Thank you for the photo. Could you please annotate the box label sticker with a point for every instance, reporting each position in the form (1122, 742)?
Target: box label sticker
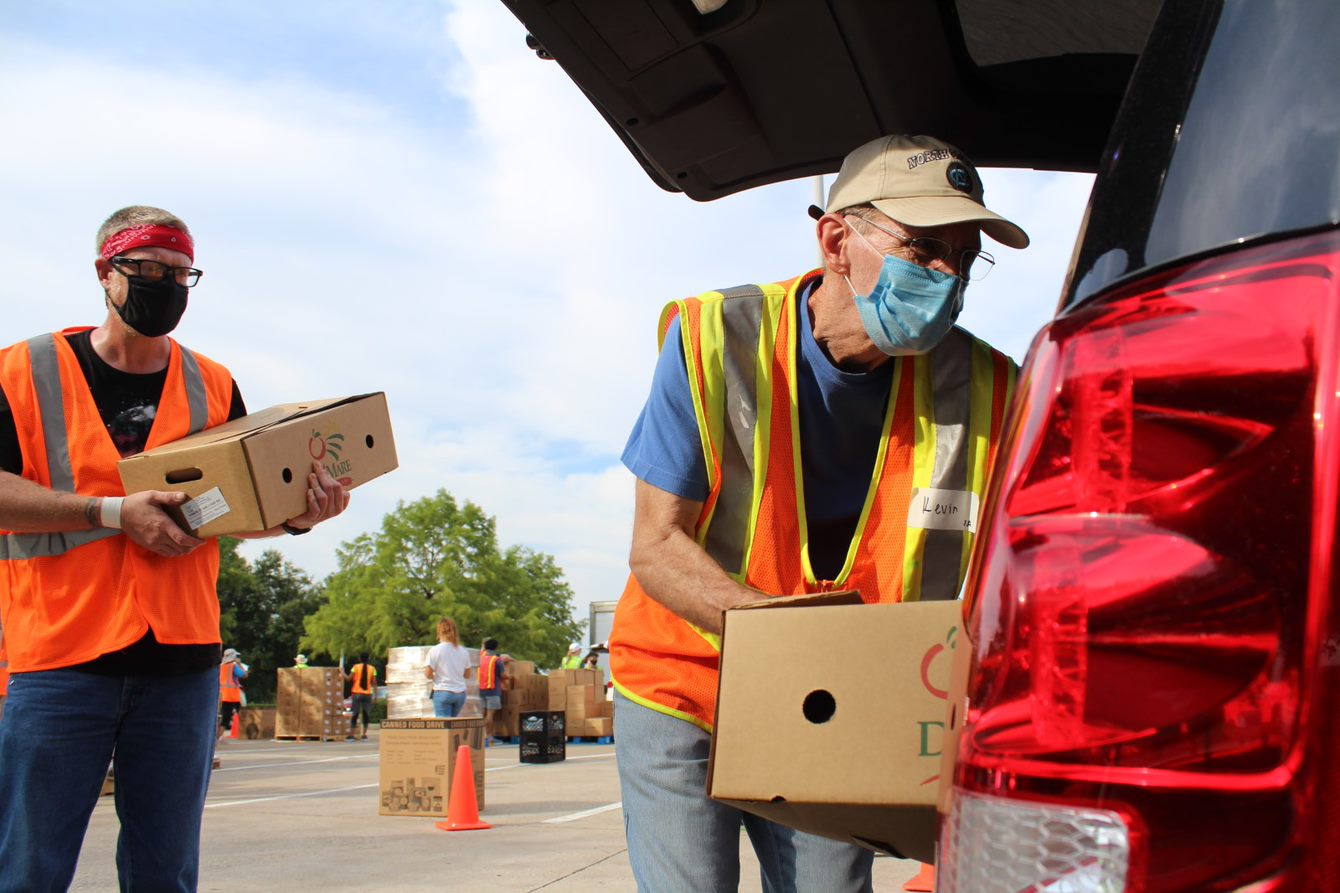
(934, 509)
(205, 508)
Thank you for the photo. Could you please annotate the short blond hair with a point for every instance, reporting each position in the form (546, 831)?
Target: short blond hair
(138, 215)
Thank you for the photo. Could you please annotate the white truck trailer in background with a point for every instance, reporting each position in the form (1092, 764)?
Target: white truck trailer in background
(598, 631)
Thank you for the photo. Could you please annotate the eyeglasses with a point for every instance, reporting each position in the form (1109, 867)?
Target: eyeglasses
(974, 264)
(154, 271)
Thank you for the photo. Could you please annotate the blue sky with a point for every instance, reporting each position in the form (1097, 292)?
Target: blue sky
(399, 196)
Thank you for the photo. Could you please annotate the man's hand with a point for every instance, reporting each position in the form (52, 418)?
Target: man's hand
(326, 498)
(147, 525)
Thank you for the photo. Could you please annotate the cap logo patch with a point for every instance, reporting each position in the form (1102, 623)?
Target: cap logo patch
(959, 177)
(915, 161)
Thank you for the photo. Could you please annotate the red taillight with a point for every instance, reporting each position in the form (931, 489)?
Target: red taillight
(1155, 568)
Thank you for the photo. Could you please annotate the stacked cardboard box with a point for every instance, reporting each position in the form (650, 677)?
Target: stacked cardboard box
(580, 694)
(523, 689)
(418, 763)
(256, 722)
(310, 703)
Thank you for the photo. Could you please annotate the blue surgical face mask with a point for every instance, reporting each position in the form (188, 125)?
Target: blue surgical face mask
(911, 308)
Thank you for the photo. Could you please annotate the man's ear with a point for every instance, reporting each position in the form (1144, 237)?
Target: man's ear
(834, 234)
(105, 270)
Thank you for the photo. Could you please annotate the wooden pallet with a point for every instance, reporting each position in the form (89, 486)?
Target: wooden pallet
(309, 737)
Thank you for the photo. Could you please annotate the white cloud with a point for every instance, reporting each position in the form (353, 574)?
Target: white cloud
(499, 275)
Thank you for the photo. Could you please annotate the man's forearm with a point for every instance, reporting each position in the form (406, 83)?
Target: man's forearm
(675, 571)
(26, 507)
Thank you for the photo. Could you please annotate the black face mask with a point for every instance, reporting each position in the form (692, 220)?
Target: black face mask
(153, 307)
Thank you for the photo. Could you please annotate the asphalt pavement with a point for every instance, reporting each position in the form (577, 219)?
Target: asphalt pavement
(285, 815)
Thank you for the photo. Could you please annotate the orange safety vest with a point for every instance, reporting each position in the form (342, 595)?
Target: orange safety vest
(488, 671)
(229, 691)
(941, 430)
(70, 597)
(364, 676)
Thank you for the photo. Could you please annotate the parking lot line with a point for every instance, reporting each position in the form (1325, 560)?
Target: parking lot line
(357, 787)
(583, 814)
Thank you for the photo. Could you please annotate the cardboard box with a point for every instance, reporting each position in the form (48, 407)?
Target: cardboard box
(591, 727)
(506, 722)
(582, 702)
(251, 473)
(310, 703)
(560, 680)
(846, 745)
(257, 722)
(418, 761)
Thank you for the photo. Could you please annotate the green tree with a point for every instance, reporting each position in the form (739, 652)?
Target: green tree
(262, 608)
(436, 557)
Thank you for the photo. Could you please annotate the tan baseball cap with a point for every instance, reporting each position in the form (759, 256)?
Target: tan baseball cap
(920, 181)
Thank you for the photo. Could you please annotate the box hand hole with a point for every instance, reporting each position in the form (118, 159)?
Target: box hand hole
(819, 707)
(183, 475)
(369, 441)
(287, 475)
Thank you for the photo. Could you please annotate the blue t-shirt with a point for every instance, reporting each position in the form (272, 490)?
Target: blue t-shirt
(841, 417)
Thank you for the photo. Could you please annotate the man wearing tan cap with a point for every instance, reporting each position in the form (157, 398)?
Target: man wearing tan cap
(799, 437)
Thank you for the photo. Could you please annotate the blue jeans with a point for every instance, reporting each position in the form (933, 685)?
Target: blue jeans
(679, 839)
(60, 731)
(448, 703)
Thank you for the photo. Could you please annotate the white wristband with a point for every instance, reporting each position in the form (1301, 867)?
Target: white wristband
(110, 511)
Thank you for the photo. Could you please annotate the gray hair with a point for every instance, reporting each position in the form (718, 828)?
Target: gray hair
(137, 215)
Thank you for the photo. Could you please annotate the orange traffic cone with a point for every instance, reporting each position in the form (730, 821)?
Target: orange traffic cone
(232, 731)
(924, 882)
(463, 808)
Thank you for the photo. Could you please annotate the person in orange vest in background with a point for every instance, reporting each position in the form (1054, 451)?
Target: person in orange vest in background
(363, 679)
(794, 436)
(492, 667)
(110, 608)
(231, 673)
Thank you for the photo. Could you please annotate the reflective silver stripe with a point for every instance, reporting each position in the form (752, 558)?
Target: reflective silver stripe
(51, 410)
(21, 546)
(951, 373)
(741, 318)
(195, 391)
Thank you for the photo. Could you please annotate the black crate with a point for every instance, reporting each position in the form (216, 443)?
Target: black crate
(541, 724)
(543, 738)
(543, 752)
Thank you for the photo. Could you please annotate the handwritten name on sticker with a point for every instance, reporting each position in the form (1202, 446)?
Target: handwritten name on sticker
(205, 508)
(933, 509)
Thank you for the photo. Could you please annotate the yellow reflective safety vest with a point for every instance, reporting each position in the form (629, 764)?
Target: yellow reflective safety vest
(912, 542)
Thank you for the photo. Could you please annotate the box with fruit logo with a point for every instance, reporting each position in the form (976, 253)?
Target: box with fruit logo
(251, 473)
(831, 714)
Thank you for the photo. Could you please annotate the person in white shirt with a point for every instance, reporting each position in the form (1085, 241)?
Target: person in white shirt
(446, 664)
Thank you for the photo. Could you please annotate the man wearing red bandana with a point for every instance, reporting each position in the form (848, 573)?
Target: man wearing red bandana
(110, 613)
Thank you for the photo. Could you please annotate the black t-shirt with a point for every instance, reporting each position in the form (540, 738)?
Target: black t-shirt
(128, 403)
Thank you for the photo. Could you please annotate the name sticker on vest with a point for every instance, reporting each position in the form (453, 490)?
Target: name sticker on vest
(933, 509)
(205, 508)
